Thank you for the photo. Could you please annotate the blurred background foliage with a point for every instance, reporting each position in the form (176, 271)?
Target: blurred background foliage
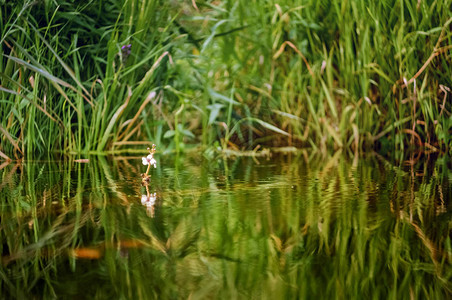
(96, 76)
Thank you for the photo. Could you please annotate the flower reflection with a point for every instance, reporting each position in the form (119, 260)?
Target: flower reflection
(149, 200)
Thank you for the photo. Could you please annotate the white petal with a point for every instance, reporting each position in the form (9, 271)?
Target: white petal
(144, 160)
(153, 162)
(144, 199)
(150, 157)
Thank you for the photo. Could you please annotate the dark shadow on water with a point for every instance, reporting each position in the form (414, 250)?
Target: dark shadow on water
(300, 227)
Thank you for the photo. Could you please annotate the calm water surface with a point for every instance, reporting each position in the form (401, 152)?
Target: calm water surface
(288, 227)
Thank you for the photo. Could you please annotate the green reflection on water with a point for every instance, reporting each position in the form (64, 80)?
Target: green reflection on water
(287, 227)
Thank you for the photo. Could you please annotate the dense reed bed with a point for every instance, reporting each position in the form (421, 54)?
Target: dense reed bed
(96, 76)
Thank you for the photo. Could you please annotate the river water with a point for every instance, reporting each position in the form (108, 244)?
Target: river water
(286, 226)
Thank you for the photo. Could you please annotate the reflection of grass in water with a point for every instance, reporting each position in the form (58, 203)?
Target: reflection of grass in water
(295, 230)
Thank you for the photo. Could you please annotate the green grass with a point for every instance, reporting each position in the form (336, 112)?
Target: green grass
(232, 74)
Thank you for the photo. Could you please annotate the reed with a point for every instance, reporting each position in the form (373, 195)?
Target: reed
(112, 75)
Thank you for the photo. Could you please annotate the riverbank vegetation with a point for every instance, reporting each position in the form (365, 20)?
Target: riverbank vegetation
(96, 76)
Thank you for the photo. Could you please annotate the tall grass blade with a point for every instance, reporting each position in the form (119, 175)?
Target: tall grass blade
(113, 120)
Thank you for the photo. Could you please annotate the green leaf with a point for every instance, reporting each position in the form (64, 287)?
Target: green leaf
(169, 134)
(329, 99)
(112, 122)
(212, 35)
(219, 96)
(38, 70)
(271, 127)
(214, 111)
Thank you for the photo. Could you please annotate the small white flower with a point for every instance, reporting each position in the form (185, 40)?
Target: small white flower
(153, 162)
(149, 160)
